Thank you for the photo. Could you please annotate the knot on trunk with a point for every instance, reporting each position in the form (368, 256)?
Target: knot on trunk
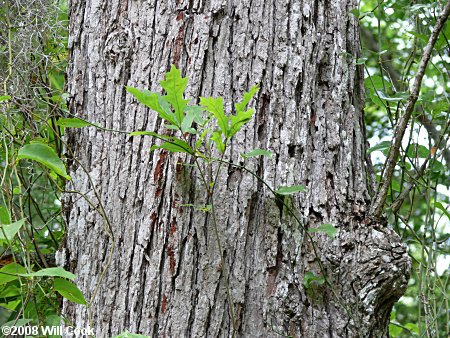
(373, 268)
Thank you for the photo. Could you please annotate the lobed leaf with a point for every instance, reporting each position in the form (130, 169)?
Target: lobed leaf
(155, 102)
(238, 120)
(215, 106)
(217, 139)
(240, 107)
(174, 85)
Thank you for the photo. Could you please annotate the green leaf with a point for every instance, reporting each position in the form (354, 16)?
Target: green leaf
(53, 320)
(155, 102)
(380, 146)
(175, 146)
(395, 185)
(7, 272)
(310, 278)
(5, 217)
(17, 323)
(217, 139)
(361, 61)
(172, 143)
(355, 12)
(442, 208)
(238, 120)
(215, 106)
(240, 107)
(174, 85)
(290, 190)
(417, 150)
(197, 111)
(51, 272)
(8, 231)
(73, 123)
(192, 114)
(394, 330)
(326, 228)
(5, 98)
(45, 155)
(242, 116)
(69, 291)
(257, 152)
(412, 327)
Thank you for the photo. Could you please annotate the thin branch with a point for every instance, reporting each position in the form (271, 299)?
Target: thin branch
(399, 132)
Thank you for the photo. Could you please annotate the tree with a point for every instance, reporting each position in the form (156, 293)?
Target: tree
(152, 266)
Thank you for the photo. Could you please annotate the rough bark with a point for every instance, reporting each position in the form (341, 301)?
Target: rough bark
(165, 278)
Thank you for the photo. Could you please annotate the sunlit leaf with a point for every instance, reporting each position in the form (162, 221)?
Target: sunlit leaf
(215, 106)
(394, 330)
(192, 114)
(155, 102)
(238, 120)
(217, 139)
(361, 61)
(174, 86)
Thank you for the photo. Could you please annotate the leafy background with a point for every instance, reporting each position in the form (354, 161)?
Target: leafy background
(33, 58)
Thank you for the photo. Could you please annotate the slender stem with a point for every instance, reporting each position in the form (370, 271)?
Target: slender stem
(216, 230)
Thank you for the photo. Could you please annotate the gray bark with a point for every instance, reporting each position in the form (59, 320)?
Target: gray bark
(165, 278)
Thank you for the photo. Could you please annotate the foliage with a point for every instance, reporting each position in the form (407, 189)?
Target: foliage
(33, 40)
(394, 34)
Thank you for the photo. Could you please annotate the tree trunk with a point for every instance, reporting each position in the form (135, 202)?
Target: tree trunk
(165, 278)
